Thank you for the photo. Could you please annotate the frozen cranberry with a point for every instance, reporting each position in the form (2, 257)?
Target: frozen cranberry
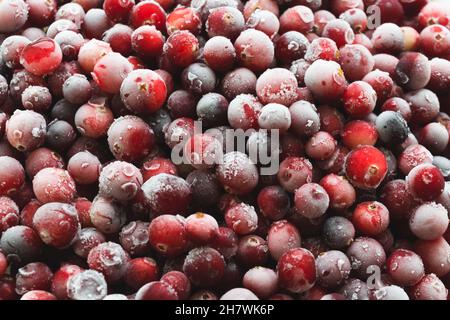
(424, 105)
(254, 50)
(94, 118)
(241, 218)
(326, 80)
(435, 40)
(429, 221)
(388, 38)
(413, 156)
(110, 71)
(110, 259)
(238, 81)
(399, 105)
(33, 276)
(219, 54)
(56, 79)
(425, 182)
(60, 280)
(181, 48)
(168, 235)
(262, 281)
(41, 57)
(60, 135)
(338, 232)
(118, 10)
(91, 52)
(282, 236)
(42, 158)
(225, 21)
(370, 218)
(95, 23)
(212, 110)
(61, 25)
(322, 49)
(434, 13)
(38, 295)
(87, 285)
(141, 271)
(291, 46)
(87, 239)
(339, 31)
(413, 70)
(53, 185)
(3, 264)
(147, 41)
(84, 167)
(21, 243)
(273, 202)
(204, 266)
(156, 166)
(198, 78)
(120, 180)
(239, 294)
(405, 267)
(252, 251)
(243, 112)
(363, 253)
(359, 99)
(14, 15)
(156, 290)
(356, 61)
(430, 287)
(57, 224)
(294, 172)
(130, 138)
(237, 173)
(119, 38)
(277, 86)
(83, 206)
(201, 227)
(11, 49)
(359, 132)
(397, 199)
(265, 21)
(77, 89)
(9, 213)
(297, 18)
(36, 98)
(366, 167)
(106, 215)
(434, 254)
(148, 12)
(25, 130)
(296, 270)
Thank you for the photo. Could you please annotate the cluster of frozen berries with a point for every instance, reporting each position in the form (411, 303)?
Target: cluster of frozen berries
(94, 94)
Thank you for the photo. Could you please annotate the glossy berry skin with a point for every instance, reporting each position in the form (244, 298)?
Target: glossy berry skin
(57, 224)
(149, 12)
(296, 270)
(118, 10)
(181, 48)
(370, 218)
(366, 167)
(359, 132)
(168, 236)
(425, 182)
(41, 56)
(141, 271)
(147, 41)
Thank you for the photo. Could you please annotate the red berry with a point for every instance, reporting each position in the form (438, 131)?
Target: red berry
(296, 270)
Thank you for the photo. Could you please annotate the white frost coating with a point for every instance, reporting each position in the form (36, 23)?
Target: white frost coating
(87, 285)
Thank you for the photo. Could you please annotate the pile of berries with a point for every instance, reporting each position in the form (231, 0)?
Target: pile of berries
(95, 95)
